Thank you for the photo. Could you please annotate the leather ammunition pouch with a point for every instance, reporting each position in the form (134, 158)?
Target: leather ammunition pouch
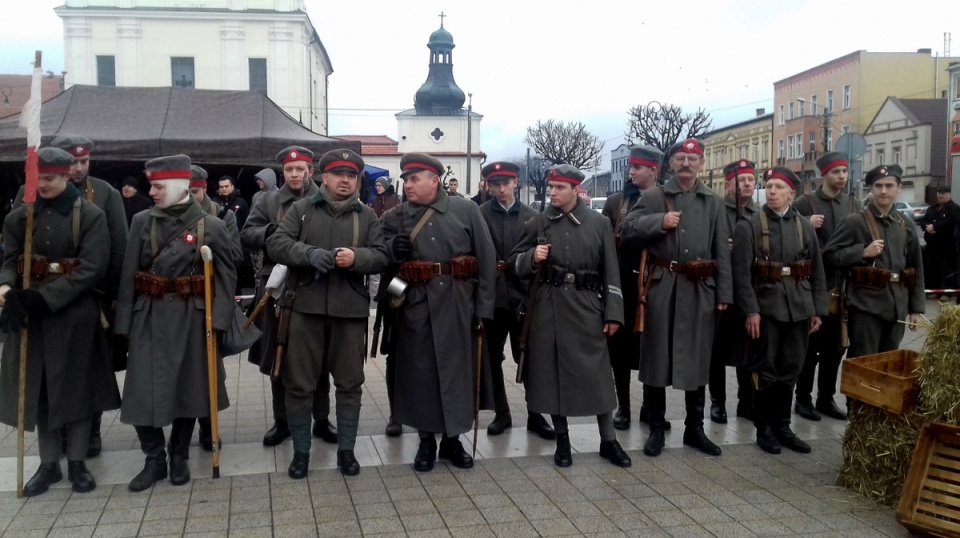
(156, 286)
(768, 271)
(555, 275)
(558, 275)
(801, 269)
(694, 269)
(909, 277)
(188, 285)
(149, 284)
(424, 271)
(463, 266)
(878, 277)
(41, 266)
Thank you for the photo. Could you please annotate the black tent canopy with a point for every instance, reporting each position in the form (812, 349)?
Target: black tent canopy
(137, 124)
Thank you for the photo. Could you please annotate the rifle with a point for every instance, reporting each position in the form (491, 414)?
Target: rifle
(736, 184)
(377, 324)
(643, 285)
(212, 374)
(529, 306)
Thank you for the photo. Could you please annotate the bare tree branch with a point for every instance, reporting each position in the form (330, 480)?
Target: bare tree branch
(661, 126)
(564, 143)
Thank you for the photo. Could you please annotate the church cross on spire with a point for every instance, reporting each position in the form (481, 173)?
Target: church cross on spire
(441, 15)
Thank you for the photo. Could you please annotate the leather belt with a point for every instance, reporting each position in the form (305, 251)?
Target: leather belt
(785, 271)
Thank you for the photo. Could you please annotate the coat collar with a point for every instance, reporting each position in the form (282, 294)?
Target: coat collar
(497, 208)
(673, 187)
(750, 207)
(773, 214)
(439, 204)
(287, 194)
(192, 213)
(892, 215)
(63, 203)
(826, 197)
(577, 216)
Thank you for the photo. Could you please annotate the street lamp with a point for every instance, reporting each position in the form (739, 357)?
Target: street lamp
(6, 91)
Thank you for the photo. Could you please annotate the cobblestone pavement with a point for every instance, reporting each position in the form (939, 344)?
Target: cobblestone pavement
(514, 489)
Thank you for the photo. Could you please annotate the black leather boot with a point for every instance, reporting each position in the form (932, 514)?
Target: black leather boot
(96, 442)
(394, 428)
(829, 408)
(347, 462)
(537, 424)
(80, 477)
(781, 430)
(180, 435)
(762, 420)
(718, 412)
(656, 403)
(426, 455)
(300, 466)
(613, 452)
(451, 449)
(155, 466)
(326, 431)
(644, 415)
(621, 419)
(804, 408)
(47, 473)
(693, 434)
(563, 457)
(500, 423)
(277, 434)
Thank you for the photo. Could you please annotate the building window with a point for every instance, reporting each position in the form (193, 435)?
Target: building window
(845, 129)
(798, 142)
(813, 105)
(791, 110)
(880, 156)
(181, 70)
(846, 97)
(258, 75)
(763, 155)
(896, 154)
(802, 103)
(829, 100)
(956, 86)
(829, 143)
(779, 149)
(106, 71)
(781, 114)
(813, 142)
(956, 128)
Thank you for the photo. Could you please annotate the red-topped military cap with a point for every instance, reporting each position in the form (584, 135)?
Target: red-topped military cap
(75, 145)
(500, 171)
(418, 162)
(53, 161)
(341, 160)
(736, 168)
(169, 167)
(784, 174)
(295, 153)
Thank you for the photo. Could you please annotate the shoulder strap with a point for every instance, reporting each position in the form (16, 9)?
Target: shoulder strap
(620, 211)
(89, 190)
(154, 248)
(356, 229)
(76, 224)
(196, 255)
(871, 224)
(809, 197)
(666, 200)
(421, 223)
(765, 235)
(800, 233)
(541, 230)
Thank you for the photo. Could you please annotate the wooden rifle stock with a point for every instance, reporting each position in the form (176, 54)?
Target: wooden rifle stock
(643, 284)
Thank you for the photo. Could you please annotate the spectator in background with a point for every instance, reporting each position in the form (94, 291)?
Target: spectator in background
(483, 193)
(452, 187)
(230, 199)
(267, 181)
(938, 230)
(133, 201)
(386, 196)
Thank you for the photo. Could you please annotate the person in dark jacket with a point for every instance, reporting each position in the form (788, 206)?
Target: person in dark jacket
(133, 201)
(69, 373)
(938, 224)
(386, 196)
(267, 181)
(229, 199)
(781, 289)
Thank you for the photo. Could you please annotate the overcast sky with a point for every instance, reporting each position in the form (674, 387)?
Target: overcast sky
(572, 61)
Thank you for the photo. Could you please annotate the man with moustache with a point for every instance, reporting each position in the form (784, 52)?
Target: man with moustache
(108, 199)
(505, 216)
(878, 251)
(825, 208)
(444, 252)
(623, 345)
(331, 242)
(729, 344)
(780, 288)
(266, 215)
(162, 313)
(684, 227)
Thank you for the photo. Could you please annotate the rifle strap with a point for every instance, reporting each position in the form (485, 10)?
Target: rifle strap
(75, 224)
(421, 223)
(356, 230)
(874, 228)
(89, 190)
(534, 288)
(290, 284)
(155, 250)
(666, 200)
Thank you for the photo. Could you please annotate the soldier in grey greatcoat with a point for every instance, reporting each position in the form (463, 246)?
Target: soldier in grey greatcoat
(445, 254)
(265, 217)
(69, 372)
(685, 230)
(885, 277)
(780, 288)
(329, 243)
(570, 249)
(825, 208)
(644, 166)
(729, 343)
(505, 216)
(166, 380)
(108, 199)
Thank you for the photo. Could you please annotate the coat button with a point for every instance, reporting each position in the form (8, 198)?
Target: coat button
(685, 251)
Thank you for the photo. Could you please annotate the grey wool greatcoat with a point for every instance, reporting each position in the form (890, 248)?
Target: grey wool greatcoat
(833, 211)
(676, 346)
(66, 346)
(167, 364)
(624, 345)
(230, 219)
(435, 343)
(265, 216)
(569, 370)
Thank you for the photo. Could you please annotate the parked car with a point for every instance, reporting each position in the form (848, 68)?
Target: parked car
(596, 204)
(912, 210)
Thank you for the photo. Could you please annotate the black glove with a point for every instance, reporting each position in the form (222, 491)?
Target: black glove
(401, 247)
(269, 231)
(33, 302)
(14, 314)
(321, 260)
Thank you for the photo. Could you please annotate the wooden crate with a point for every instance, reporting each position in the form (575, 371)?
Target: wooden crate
(930, 502)
(885, 380)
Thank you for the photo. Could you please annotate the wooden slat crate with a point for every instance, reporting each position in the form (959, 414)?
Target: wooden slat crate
(931, 494)
(885, 380)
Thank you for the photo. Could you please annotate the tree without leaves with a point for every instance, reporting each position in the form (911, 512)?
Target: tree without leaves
(564, 143)
(661, 126)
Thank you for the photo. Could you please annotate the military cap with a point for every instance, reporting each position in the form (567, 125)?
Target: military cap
(416, 162)
(565, 173)
(645, 156)
(831, 160)
(169, 167)
(75, 145)
(690, 145)
(295, 153)
(882, 171)
(198, 176)
(53, 161)
(340, 160)
(943, 188)
(784, 174)
(499, 171)
(736, 168)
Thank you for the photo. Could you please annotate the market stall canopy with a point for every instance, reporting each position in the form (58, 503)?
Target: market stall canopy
(136, 124)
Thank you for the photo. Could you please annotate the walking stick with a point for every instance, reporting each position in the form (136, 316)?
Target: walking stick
(476, 395)
(29, 120)
(207, 256)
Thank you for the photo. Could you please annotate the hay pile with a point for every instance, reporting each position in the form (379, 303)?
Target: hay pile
(878, 446)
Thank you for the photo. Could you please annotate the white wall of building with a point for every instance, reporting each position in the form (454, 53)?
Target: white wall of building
(220, 37)
(892, 139)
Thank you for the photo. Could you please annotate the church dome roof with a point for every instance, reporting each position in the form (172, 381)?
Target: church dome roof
(440, 37)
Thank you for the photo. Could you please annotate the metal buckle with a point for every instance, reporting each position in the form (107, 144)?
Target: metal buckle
(785, 271)
(894, 277)
(673, 266)
(55, 268)
(436, 269)
(569, 278)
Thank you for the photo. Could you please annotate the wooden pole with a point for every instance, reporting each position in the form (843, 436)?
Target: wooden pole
(212, 375)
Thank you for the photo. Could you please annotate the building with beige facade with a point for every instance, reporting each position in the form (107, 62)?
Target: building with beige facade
(267, 46)
(750, 139)
(814, 108)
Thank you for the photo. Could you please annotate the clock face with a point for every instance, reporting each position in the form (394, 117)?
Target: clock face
(437, 135)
